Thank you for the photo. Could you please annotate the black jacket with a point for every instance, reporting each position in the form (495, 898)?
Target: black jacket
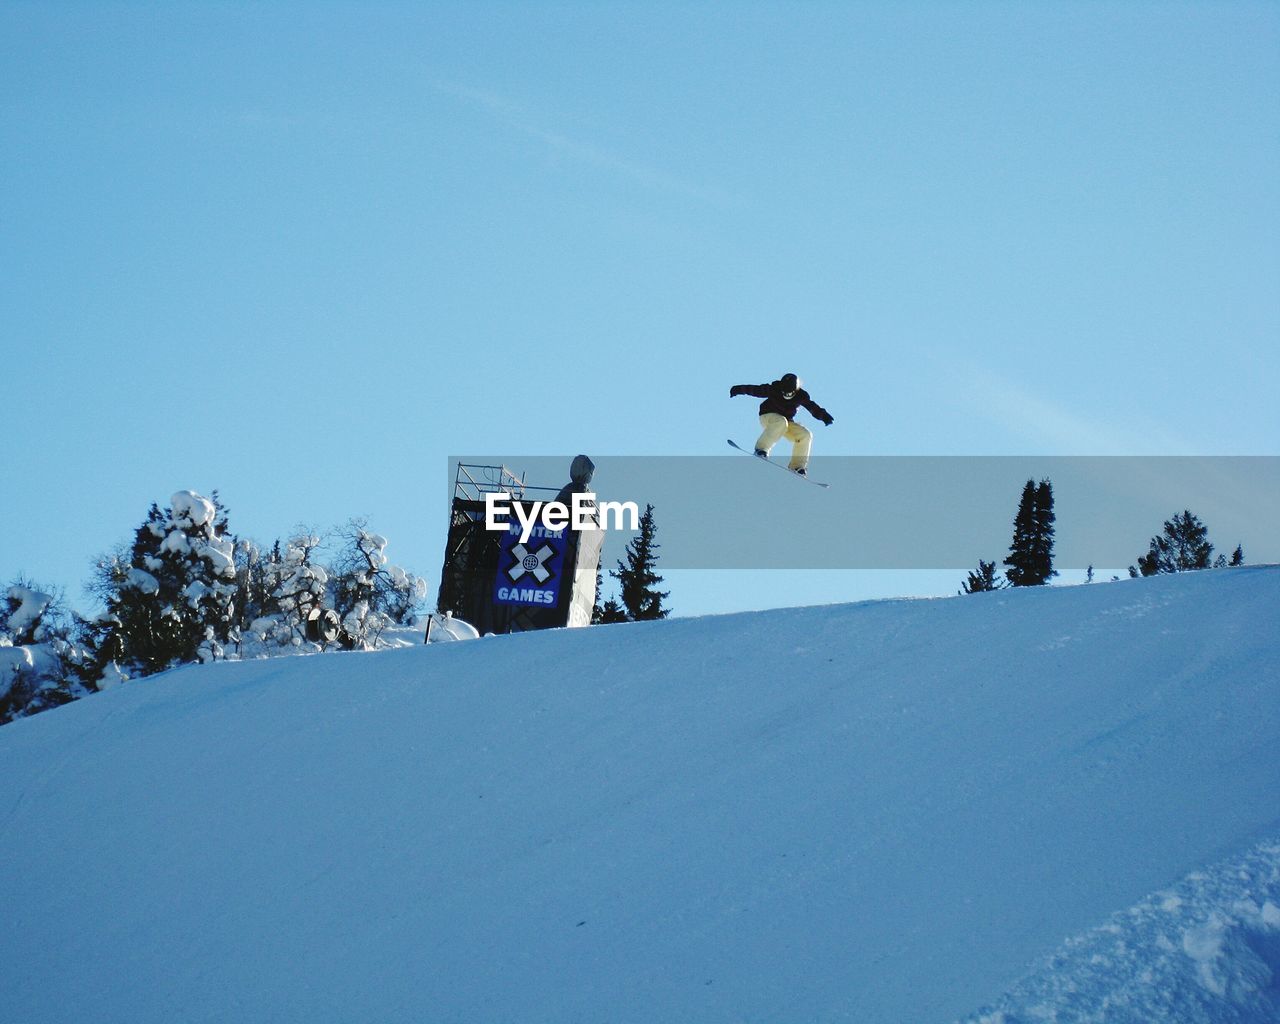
(774, 401)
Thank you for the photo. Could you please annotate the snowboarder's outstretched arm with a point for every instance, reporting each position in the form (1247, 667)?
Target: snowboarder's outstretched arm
(754, 390)
(815, 410)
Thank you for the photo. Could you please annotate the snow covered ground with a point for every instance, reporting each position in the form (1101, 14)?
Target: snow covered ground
(1059, 804)
(1205, 951)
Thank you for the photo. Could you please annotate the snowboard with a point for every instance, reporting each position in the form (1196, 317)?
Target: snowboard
(775, 465)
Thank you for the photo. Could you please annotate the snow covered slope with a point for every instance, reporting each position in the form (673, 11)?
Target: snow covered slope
(881, 812)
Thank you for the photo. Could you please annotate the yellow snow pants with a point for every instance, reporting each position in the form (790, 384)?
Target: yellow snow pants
(775, 427)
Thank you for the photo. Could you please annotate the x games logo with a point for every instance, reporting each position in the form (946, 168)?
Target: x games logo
(528, 573)
(534, 564)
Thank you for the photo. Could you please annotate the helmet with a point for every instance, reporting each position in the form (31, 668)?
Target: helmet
(790, 384)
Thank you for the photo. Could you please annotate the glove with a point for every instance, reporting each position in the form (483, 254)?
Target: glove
(828, 419)
(735, 391)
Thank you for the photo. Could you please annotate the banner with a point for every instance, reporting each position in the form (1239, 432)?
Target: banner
(530, 573)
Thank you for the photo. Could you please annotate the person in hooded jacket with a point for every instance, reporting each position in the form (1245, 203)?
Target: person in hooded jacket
(581, 470)
(782, 399)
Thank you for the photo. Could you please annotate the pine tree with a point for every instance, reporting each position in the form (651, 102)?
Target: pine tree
(171, 598)
(612, 611)
(597, 607)
(1181, 547)
(637, 579)
(604, 612)
(983, 579)
(1045, 518)
(1030, 558)
(1237, 556)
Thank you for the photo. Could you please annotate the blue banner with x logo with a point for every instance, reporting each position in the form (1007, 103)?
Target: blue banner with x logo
(529, 572)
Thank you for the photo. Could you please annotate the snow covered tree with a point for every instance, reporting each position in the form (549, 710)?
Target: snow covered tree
(170, 599)
(1182, 546)
(636, 577)
(37, 651)
(27, 612)
(290, 589)
(368, 593)
(253, 591)
(1030, 559)
(982, 579)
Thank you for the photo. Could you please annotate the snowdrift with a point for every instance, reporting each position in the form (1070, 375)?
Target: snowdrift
(886, 812)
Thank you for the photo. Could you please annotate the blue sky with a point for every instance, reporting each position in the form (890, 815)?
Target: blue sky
(304, 253)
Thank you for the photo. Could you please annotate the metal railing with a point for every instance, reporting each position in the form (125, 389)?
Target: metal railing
(472, 482)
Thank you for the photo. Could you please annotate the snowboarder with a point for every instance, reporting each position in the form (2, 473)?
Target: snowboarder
(777, 416)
